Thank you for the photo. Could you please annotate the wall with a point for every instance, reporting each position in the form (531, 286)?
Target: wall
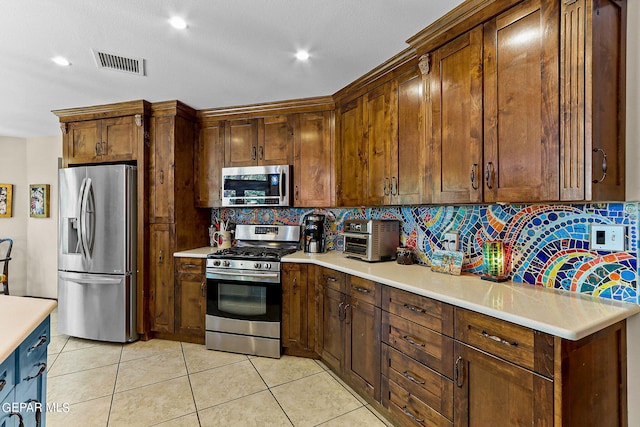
(33, 268)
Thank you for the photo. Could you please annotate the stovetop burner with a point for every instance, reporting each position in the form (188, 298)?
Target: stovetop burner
(254, 253)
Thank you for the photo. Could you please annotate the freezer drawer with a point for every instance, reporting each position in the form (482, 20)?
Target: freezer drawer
(97, 307)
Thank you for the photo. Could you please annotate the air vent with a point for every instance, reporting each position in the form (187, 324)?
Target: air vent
(115, 62)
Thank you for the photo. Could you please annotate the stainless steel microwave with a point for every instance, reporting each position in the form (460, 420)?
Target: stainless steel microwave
(256, 186)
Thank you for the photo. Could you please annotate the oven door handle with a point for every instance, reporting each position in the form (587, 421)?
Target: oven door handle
(258, 275)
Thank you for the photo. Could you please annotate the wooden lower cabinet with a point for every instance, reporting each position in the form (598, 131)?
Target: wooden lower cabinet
(298, 310)
(161, 298)
(190, 297)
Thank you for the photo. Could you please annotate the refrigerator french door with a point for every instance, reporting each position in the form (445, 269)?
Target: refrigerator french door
(97, 252)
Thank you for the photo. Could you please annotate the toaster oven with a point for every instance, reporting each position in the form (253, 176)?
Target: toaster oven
(371, 240)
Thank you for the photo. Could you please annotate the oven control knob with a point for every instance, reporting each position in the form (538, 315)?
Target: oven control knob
(267, 266)
(226, 263)
(257, 265)
(216, 263)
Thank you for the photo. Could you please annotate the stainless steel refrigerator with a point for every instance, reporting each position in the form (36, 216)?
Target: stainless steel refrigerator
(97, 252)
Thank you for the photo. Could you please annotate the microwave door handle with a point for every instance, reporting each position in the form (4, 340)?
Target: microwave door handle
(283, 187)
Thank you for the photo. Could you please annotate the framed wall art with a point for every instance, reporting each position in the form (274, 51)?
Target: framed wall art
(39, 196)
(6, 197)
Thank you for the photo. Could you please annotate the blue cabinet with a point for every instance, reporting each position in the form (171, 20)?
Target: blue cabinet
(23, 381)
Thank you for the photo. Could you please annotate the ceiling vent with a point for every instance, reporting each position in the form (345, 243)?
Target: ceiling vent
(121, 63)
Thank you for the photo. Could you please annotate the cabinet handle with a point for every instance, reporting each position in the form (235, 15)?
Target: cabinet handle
(102, 150)
(457, 377)
(20, 419)
(411, 378)
(604, 165)
(410, 415)
(295, 285)
(330, 279)
(394, 186)
(474, 171)
(412, 341)
(97, 148)
(260, 152)
(203, 288)
(38, 410)
(253, 153)
(386, 189)
(190, 265)
(414, 308)
(340, 306)
(488, 175)
(43, 367)
(42, 339)
(2, 384)
(161, 258)
(297, 193)
(347, 318)
(498, 339)
(362, 290)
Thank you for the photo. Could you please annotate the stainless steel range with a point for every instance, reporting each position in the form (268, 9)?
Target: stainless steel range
(244, 290)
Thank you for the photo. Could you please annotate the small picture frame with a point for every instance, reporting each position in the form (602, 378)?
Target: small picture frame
(6, 198)
(449, 262)
(39, 200)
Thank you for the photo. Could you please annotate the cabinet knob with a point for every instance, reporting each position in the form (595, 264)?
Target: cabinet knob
(604, 165)
(161, 257)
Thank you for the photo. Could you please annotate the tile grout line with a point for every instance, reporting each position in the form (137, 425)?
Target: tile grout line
(115, 383)
(193, 396)
(271, 393)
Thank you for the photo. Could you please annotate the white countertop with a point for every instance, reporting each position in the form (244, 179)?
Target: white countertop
(565, 314)
(196, 253)
(19, 316)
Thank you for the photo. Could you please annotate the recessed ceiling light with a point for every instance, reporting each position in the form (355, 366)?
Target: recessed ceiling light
(302, 55)
(178, 23)
(61, 61)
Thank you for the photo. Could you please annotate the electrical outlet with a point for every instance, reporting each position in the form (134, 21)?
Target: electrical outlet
(450, 242)
(607, 237)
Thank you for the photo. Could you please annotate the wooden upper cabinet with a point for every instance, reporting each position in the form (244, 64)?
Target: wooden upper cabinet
(105, 140)
(592, 96)
(263, 141)
(312, 154)
(162, 169)
(456, 114)
(350, 155)
(209, 162)
(377, 139)
(521, 105)
(408, 145)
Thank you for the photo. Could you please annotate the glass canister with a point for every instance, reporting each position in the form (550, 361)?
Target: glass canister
(404, 256)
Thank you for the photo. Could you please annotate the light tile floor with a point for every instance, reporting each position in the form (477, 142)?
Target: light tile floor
(168, 383)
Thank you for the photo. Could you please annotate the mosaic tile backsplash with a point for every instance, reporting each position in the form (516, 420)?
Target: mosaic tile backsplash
(549, 243)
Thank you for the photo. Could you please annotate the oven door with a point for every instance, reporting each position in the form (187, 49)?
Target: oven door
(249, 296)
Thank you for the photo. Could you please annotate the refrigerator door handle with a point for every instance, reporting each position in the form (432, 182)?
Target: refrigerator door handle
(88, 279)
(87, 223)
(80, 219)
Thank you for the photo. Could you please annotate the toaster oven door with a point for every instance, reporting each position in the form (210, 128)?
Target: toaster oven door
(357, 245)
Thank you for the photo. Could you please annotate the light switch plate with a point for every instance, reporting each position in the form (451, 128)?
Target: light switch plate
(450, 242)
(607, 237)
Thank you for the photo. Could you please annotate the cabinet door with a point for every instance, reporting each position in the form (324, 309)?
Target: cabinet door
(312, 160)
(377, 125)
(333, 306)
(241, 143)
(351, 156)
(521, 135)
(120, 138)
(408, 146)
(492, 392)
(294, 306)
(456, 99)
(362, 352)
(83, 141)
(209, 162)
(275, 140)
(191, 300)
(161, 298)
(161, 166)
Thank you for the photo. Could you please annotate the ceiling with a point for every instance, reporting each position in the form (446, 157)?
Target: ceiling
(233, 52)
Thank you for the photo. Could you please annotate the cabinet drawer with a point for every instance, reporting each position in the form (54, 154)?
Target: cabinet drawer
(423, 344)
(364, 290)
(425, 311)
(426, 384)
(331, 279)
(190, 265)
(409, 408)
(33, 350)
(518, 344)
(7, 375)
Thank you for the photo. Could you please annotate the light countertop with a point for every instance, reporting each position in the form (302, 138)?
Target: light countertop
(19, 316)
(196, 253)
(565, 314)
